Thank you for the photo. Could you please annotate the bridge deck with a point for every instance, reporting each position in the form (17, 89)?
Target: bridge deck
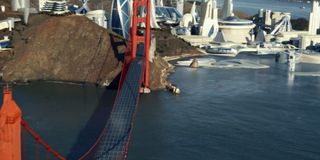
(114, 140)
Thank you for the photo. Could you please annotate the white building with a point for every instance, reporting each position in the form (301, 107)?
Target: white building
(209, 19)
(314, 20)
(57, 7)
(7, 24)
(180, 6)
(227, 9)
(233, 28)
(17, 4)
(236, 30)
(98, 17)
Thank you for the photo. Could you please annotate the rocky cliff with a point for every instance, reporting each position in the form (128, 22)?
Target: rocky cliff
(75, 49)
(65, 49)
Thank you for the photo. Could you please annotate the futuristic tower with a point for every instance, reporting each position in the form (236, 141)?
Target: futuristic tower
(120, 20)
(314, 21)
(227, 9)
(209, 19)
(180, 5)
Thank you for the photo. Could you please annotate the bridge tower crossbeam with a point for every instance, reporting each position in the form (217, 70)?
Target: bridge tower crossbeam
(141, 34)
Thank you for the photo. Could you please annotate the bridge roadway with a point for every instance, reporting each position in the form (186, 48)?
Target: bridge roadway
(114, 140)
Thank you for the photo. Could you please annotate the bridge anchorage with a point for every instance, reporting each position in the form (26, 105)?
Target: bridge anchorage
(113, 142)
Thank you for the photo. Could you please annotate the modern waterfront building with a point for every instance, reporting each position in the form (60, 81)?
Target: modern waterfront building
(314, 21)
(17, 4)
(168, 15)
(179, 6)
(84, 8)
(8, 23)
(227, 9)
(120, 20)
(57, 7)
(209, 19)
(98, 17)
(233, 28)
(236, 30)
(312, 38)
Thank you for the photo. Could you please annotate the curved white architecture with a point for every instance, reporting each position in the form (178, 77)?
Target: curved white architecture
(180, 6)
(26, 12)
(193, 12)
(314, 20)
(120, 20)
(98, 17)
(283, 25)
(17, 4)
(159, 3)
(153, 17)
(236, 30)
(84, 8)
(209, 19)
(227, 9)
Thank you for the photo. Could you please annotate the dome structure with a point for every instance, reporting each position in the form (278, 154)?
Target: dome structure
(234, 20)
(235, 29)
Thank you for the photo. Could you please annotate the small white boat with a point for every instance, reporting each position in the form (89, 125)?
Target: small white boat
(267, 52)
(239, 63)
(202, 62)
(221, 50)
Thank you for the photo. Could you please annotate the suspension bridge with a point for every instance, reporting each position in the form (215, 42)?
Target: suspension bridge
(113, 141)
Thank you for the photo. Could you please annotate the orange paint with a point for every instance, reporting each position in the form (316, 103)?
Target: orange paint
(10, 128)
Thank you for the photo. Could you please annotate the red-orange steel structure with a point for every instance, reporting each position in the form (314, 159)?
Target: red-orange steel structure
(10, 128)
(141, 23)
(11, 115)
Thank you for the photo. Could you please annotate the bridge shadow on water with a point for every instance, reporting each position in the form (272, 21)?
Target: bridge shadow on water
(96, 123)
(94, 126)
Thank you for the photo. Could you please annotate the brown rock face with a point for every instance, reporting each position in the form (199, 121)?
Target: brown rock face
(65, 49)
(169, 45)
(159, 72)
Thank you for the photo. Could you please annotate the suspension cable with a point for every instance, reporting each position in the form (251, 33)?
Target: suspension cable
(40, 141)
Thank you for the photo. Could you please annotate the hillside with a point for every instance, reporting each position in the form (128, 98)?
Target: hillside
(62, 48)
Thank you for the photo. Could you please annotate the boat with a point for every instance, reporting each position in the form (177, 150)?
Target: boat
(222, 50)
(239, 63)
(267, 52)
(202, 62)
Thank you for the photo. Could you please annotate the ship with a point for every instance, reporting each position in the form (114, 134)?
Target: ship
(222, 50)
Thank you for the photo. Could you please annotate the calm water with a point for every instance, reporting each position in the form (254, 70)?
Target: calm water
(68, 117)
(232, 114)
(252, 7)
(221, 114)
